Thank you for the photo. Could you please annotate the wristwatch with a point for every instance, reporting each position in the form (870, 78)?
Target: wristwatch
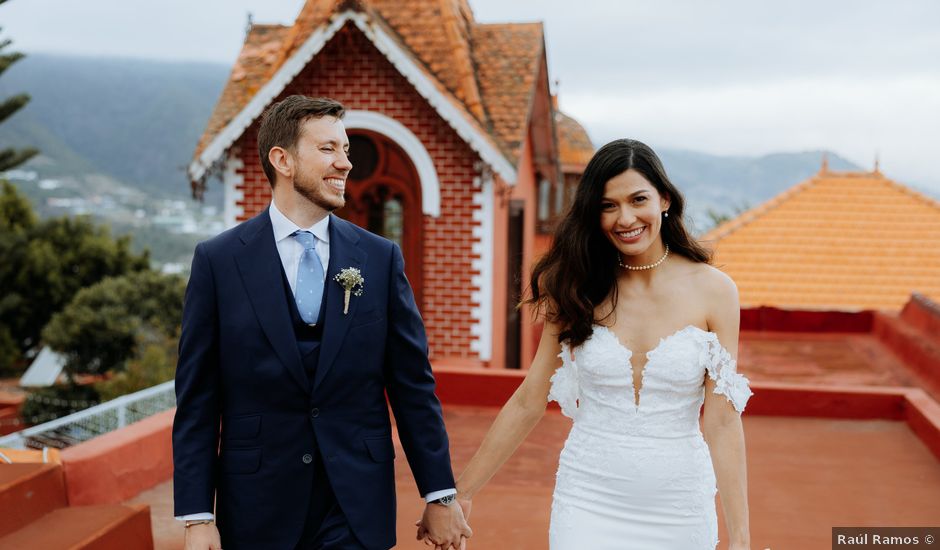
(445, 501)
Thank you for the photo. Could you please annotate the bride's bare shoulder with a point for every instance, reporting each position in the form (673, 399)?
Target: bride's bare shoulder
(719, 294)
(704, 277)
(715, 281)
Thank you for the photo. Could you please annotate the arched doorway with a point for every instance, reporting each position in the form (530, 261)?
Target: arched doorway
(383, 195)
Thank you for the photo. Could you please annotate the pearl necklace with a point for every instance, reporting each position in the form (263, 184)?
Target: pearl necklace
(642, 267)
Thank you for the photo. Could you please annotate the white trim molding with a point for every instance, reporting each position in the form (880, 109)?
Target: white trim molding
(411, 145)
(482, 295)
(233, 184)
(448, 108)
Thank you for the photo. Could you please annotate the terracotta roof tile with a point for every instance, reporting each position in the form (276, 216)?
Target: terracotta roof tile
(257, 61)
(845, 241)
(437, 31)
(574, 144)
(507, 57)
(489, 70)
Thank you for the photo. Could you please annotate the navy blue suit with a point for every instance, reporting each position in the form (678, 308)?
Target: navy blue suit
(253, 419)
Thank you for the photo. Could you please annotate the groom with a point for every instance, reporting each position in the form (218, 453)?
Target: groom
(296, 326)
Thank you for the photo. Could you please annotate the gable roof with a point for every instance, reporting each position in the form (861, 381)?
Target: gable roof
(478, 77)
(262, 51)
(507, 58)
(436, 31)
(575, 148)
(840, 240)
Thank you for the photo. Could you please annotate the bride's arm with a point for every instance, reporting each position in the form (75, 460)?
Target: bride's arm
(516, 419)
(722, 426)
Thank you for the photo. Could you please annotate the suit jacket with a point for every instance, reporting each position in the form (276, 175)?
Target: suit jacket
(248, 417)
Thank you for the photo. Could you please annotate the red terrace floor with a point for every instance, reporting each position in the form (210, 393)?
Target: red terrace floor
(823, 359)
(806, 475)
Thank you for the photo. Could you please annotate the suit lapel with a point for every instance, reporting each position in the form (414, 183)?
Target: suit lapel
(344, 253)
(260, 267)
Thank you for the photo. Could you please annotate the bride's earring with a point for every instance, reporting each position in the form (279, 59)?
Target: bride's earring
(666, 214)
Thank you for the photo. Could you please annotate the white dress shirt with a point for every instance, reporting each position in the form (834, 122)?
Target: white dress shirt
(290, 251)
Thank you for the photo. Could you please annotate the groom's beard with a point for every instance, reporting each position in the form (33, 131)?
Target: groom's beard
(316, 193)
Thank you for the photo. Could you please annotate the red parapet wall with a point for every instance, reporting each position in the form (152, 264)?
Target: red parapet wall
(119, 465)
(924, 315)
(922, 414)
(8, 420)
(792, 320)
(914, 342)
(116, 466)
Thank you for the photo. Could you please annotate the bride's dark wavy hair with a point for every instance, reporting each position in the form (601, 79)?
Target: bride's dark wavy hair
(580, 269)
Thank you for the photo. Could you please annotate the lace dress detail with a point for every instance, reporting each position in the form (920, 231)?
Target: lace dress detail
(638, 474)
(723, 369)
(564, 387)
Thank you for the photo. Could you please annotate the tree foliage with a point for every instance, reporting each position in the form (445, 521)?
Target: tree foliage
(102, 327)
(9, 157)
(154, 363)
(47, 404)
(45, 263)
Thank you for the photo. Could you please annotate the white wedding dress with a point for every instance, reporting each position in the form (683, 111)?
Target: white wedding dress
(638, 476)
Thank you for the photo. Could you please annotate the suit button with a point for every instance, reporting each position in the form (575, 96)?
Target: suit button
(308, 458)
(314, 413)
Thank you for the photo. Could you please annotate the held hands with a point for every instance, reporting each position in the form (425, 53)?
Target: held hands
(445, 526)
(202, 537)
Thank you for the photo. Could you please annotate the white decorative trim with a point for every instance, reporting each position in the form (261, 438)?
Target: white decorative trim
(402, 136)
(447, 108)
(234, 189)
(482, 295)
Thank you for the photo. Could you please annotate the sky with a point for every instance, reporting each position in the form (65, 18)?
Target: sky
(728, 77)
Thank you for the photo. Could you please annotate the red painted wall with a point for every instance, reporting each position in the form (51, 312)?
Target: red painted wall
(351, 70)
(116, 466)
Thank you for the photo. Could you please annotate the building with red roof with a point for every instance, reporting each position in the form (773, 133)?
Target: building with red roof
(454, 143)
(847, 241)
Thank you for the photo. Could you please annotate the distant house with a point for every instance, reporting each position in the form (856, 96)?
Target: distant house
(839, 241)
(456, 149)
(44, 371)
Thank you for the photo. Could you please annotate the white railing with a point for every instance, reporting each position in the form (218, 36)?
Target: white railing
(94, 421)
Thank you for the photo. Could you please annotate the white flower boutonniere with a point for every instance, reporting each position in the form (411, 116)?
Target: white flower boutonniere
(352, 281)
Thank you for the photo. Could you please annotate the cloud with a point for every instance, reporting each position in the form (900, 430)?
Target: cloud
(898, 119)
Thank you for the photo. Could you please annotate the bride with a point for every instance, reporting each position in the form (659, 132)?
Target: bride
(640, 332)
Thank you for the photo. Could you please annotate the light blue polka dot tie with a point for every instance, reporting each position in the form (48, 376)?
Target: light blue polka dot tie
(309, 288)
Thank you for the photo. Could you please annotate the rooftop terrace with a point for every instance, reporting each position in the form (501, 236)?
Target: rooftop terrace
(843, 430)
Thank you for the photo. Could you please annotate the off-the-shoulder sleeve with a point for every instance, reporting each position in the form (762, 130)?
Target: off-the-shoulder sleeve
(564, 383)
(722, 368)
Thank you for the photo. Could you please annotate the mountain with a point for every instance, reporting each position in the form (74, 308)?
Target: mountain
(728, 185)
(135, 121)
(128, 128)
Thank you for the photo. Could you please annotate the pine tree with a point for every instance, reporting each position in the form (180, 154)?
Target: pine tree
(9, 157)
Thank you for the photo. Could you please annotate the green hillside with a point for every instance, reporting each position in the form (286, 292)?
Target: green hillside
(136, 121)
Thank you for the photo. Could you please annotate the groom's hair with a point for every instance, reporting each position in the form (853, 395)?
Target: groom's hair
(280, 124)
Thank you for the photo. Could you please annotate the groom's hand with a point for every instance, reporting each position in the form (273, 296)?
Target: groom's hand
(202, 537)
(445, 526)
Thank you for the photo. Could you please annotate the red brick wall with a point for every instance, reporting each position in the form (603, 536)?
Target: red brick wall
(351, 70)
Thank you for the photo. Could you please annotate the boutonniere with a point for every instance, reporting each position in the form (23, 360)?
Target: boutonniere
(351, 279)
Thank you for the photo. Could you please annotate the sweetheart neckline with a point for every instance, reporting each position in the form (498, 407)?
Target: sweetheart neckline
(638, 391)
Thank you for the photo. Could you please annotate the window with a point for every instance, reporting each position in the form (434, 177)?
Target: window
(545, 191)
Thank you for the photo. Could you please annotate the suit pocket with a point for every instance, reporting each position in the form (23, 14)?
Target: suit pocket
(380, 449)
(241, 461)
(241, 427)
(366, 318)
